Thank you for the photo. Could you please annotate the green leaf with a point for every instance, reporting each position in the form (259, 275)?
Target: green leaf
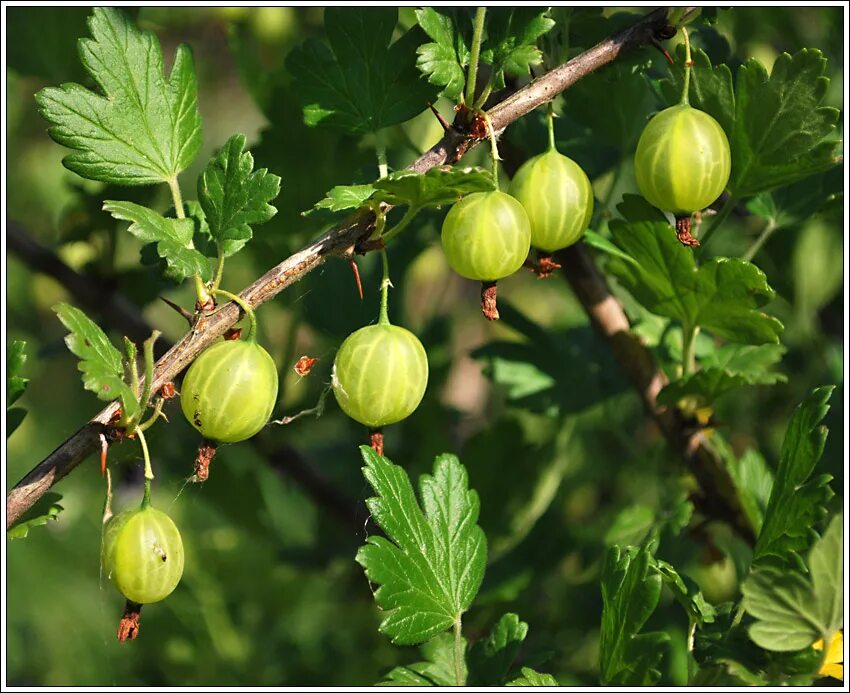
(687, 593)
(791, 611)
(533, 678)
(173, 238)
(438, 186)
(780, 124)
(710, 87)
(723, 295)
(796, 204)
(16, 357)
(342, 198)
(797, 501)
(726, 368)
(444, 60)
(511, 44)
(100, 362)
(753, 481)
(234, 196)
(631, 525)
(491, 658)
(143, 128)
(47, 508)
(431, 566)
(437, 669)
(631, 588)
(357, 82)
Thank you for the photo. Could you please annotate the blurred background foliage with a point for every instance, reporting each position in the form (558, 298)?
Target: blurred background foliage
(559, 450)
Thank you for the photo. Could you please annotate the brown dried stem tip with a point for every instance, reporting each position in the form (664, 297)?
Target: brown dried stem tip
(206, 452)
(376, 440)
(544, 267)
(488, 300)
(683, 232)
(128, 626)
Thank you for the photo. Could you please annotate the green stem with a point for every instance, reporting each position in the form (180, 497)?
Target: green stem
(402, 224)
(219, 271)
(718, 219)
(766, 233)
(148, 354)
(482, 99)
(494, 151)
(458, 653)
(177, 197)
(251, 334)
(130, 350)
(157, 412)
(550, 124)
(688, 341)
(383, 316)
(381, 150)
(688, 63)
(146, 454)
(474, 53)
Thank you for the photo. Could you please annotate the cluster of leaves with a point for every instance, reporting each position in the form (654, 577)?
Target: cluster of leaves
(789, 604)
(145, 128)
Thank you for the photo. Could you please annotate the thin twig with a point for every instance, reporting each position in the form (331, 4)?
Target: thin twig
(336, 242)
(717, 497)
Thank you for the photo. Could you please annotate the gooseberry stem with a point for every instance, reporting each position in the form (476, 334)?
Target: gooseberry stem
(381, 150)
(177, 198)
(474, 53)
(251, 334)
(383, 316)
(550, 124)
(146, 499)
(494, 150)
(688, 340)
(148, 354)
(688, 64)
(402, 224)
(458, 652)
(219, 271)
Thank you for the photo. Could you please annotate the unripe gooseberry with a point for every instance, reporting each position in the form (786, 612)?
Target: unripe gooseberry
(486, 236)
(230, 390)
(380, 374)
(143, 554)
(682, 163)
(557, 197)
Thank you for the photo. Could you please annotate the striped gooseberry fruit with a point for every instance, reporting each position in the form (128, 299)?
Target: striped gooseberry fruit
(380, 374)
(143, 554)
(486, 236)
(230, 390)
(682, 163)
(557, 197)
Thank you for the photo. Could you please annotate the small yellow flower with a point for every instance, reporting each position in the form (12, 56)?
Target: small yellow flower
(833, 662)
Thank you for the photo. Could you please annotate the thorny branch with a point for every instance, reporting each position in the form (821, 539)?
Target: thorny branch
(337, 242)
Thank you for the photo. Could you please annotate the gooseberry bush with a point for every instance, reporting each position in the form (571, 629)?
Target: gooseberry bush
(634, 486)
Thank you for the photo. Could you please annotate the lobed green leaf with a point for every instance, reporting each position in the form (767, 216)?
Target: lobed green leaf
(797, 501)
(358, 82)
(631, 588)
(431, 565)
(780, 124)
(233, 196)
(791, 611)
(173, 238)
(723, 295)
(142, 128)
(100, 362)
(491, 658)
